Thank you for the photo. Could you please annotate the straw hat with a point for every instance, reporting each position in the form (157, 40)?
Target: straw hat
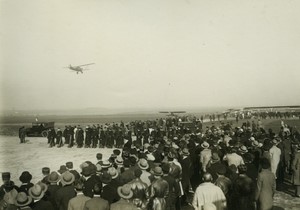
(243, 149)
(143, 164)
(23, 199)
(106, 164)
(125, 191)
(53, 177)
(67, 178)
(119, 160)
(185, 151)
(113, 172)
(205, 145)
(38, 190)
(157, 171)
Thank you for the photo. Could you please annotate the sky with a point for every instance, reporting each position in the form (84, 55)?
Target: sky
(149, 54)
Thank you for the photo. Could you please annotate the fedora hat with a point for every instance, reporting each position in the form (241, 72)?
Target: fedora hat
(22, 199)
(243, 149)
(105, 178)
(157, 171)
(106, 164)
(143, 164)
(185, 151)
(255, 143)
(25, 177)
(62, 169)
(125, 191)
(205, 145)
(119, 160)
(67, 178)
(53, 177)
(215, 157)
(113, 172)
(38, 190)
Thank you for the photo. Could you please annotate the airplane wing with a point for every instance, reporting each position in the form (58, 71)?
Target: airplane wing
(179, 112)
(86, 64)
(163, 112)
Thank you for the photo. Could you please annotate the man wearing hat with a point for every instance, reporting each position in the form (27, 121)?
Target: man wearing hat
(223, 182)
(159, 189)
(23, 201)
(96, 203)
(143, 165)
(91, 178)
(109, 192)
(124, 203)
(37, 192)
(53, 186)
(233, 158)
(78, 202)
(67, 192)
(186, 164)
(25, 178)
(45, 172)
(205, 155)
(7, 186)
(174, 190)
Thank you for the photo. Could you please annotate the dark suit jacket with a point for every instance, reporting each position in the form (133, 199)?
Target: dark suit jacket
(43, 205)
(110, 193)
(51, 192)
(89, 185)
(63, 195)
(96, 203)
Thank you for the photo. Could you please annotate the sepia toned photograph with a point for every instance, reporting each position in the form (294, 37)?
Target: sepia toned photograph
(149, 105)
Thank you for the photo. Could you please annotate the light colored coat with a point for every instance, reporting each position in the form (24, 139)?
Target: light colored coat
(296, 169)
(266, 185)
(275, 153)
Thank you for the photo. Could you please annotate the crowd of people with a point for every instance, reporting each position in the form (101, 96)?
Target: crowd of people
(168, 166)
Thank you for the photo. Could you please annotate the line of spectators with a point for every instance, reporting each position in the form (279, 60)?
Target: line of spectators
(220, 168)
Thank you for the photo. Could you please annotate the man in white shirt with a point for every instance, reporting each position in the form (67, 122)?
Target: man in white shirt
(207, 192)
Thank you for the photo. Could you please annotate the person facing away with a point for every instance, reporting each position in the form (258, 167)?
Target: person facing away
(207, 192)
(266, 185)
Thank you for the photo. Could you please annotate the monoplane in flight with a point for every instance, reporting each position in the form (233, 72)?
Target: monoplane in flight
(79, 68)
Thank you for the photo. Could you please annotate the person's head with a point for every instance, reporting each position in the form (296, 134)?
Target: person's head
(79, 185)
(97, 189)
(6, 177)
(242, 169)
(138, 172)
(207, 177)
(265, 163)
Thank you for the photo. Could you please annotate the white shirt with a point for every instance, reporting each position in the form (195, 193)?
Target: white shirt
(209, 193)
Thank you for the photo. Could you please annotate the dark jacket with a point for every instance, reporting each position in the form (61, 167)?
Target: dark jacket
(63, 196)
